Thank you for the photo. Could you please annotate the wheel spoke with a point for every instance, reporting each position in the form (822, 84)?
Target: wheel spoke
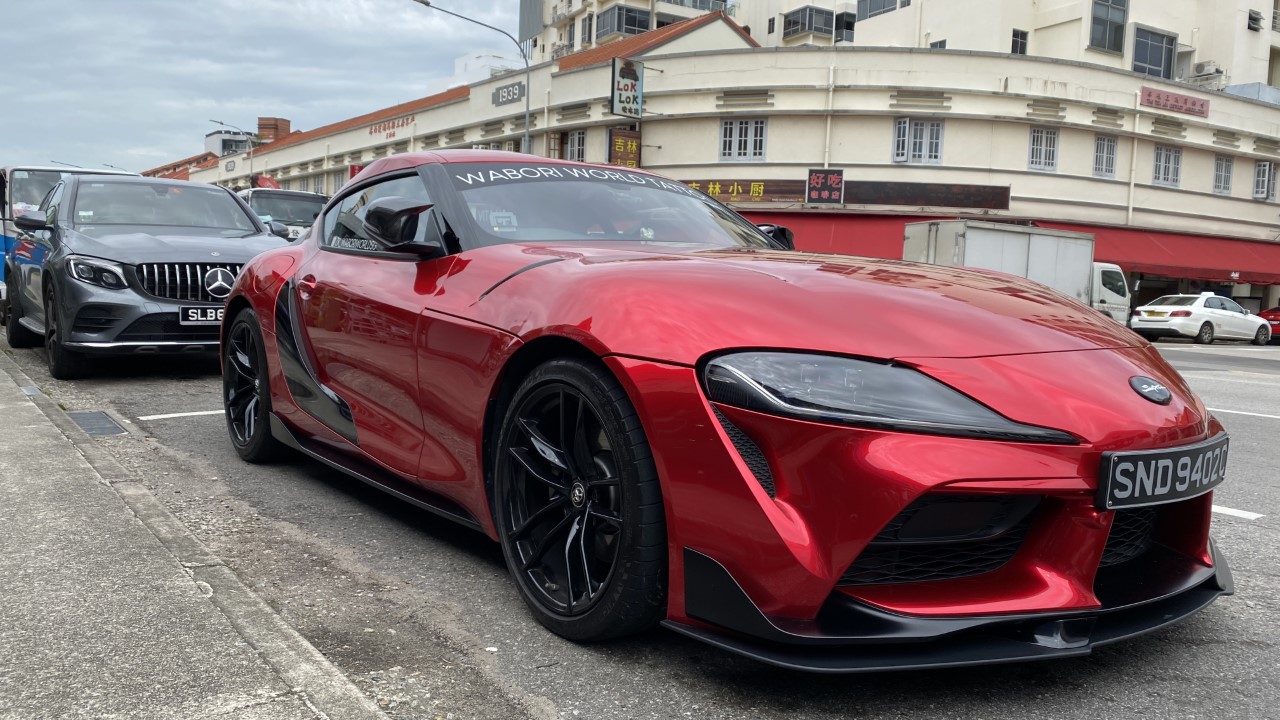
(543, 446)
(546, 542)
(525, 458)
(250, 417)
(591, 586)
(610, 516)
(542, 512)
(581, 450)
(575, 531)
(237, 403)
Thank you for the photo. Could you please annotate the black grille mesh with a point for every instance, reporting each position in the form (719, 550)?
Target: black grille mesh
(1132, 532)
(751, 454)
(164, 327)
(93, 319)
(180, 281)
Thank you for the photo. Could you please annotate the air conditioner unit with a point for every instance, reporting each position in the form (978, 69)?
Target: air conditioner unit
(1207, 67)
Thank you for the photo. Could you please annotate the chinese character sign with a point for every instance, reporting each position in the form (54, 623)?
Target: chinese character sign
(627, 94)
(1154, 97)
(624, 147)
(825, 187)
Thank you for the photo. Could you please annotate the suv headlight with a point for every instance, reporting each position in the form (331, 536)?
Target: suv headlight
(97, 272)
(827, 388)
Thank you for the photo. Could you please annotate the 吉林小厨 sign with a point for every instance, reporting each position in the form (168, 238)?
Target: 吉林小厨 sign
(626, 97)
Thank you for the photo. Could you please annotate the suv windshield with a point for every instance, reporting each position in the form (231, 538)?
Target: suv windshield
(30, 187)
(141, 203)
(1174, 300)
(286, 208)
(512, 203)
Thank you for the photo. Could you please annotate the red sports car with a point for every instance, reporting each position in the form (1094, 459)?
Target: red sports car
(1272, 316)
(665, 415)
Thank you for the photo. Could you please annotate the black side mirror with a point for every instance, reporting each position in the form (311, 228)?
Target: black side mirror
(278, 229)
(393, 222)
(32, 220)
(782, 236)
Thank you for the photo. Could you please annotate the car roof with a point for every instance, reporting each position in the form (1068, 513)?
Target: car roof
(411, 160)
(250, 191)
(69, 170)
(139, 180)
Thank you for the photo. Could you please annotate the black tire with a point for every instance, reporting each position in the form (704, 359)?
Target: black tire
(246, 393)
(18, 336)
(1262, 337)
(605, 521)
(1205, 336)
(63, 364)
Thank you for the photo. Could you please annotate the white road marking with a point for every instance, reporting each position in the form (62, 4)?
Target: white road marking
(177, 415)
(1242, 412)
(1236, 513)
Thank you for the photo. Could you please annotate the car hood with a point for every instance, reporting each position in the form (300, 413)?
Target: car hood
(637, 300)
(131, 246)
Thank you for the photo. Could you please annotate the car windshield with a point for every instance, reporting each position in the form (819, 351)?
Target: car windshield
(141, 203)
(1175, 300)
(512, 203)
(286, 208)
(30, 187)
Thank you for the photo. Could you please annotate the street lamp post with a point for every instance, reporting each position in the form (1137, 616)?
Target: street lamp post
(528, 85)
(248, 153)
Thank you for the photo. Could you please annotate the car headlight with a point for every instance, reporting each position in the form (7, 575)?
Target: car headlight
(827, 388)
(97, 272)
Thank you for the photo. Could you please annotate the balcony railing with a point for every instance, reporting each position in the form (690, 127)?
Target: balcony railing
(727, 6)
(1275, 19)
(560, 50)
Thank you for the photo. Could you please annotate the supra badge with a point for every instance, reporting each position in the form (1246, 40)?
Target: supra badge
(1153, 390)
(218, 282)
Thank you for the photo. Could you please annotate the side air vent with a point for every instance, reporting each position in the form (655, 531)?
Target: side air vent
(751, 454)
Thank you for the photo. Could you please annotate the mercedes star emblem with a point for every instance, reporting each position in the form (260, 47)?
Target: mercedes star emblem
(218, 282)
(1153, 390)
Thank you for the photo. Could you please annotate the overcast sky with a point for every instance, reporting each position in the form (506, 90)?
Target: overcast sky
(134, 83)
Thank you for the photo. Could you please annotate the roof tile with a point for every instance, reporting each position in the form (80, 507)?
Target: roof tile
(644, 42)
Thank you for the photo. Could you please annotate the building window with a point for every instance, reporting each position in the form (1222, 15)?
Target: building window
(742, 139)
(317, 184)
(586, 29)
(872, 8)
(1104, 156)
(1153, 53)
(1107, 32)
(571, 29)
(284, 185)
(622, 19)
(575, 145)
(1044, 149)
(772, 22)
(1168, 166)
(1264, 180)
(939, 45)
(844, 26)
(918, 142)
(807, 20)
(554, 146)
(1223, 166)
(904, 3)
(1019, 42)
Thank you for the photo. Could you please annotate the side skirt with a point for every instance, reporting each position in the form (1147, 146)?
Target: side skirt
(374, 476)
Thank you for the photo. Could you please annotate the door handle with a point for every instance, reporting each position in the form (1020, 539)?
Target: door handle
(306, 285)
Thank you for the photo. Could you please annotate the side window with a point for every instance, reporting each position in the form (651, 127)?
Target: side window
(344, 224)
(1114, 282)
(1232, 306)
(1214, 303)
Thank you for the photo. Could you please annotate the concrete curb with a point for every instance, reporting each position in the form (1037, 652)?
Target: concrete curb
(325, 689)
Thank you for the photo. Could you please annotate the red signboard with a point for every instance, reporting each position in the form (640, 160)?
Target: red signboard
(353, 170)
(265, 181)
(1165, 100)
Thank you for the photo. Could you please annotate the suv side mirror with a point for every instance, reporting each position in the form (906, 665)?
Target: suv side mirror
(393, 222)
(32, 220)
(780, 235)
(278, 229)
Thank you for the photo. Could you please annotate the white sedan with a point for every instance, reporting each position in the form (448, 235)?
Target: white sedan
(1205, 317)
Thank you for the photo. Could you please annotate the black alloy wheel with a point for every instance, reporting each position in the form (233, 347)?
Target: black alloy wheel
(1205, 337)
(1262, 337)
(246, 395)
(578, 505)
(63, 364)
(17, 335)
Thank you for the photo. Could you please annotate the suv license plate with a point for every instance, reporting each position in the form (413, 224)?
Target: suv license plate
(1155, 477)
(200, 315)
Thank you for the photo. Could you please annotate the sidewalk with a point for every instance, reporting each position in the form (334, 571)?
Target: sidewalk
(110, 608)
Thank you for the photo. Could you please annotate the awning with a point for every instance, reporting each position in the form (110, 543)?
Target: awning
(1194, 257)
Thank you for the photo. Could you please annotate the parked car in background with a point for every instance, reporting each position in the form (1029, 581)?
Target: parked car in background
(22, 189)
(294, 208)
(1205, 317)
(1272, 316)
(119, 264)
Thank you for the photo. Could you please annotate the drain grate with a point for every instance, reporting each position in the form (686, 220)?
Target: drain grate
(96, 422)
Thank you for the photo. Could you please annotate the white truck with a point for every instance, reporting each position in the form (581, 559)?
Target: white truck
(1060, 259)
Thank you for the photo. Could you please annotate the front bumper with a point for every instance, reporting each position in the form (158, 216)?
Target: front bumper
(99, 321)
(849, 636)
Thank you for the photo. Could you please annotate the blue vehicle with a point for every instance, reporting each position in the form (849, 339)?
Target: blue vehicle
(22, 188)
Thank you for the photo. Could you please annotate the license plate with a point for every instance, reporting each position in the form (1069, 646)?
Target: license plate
(1156, 314)
(200, 315)
(1155, 477)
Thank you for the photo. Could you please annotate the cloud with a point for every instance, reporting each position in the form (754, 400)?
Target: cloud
(134, 83)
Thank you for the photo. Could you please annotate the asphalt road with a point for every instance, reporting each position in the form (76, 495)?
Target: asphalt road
(423, 616)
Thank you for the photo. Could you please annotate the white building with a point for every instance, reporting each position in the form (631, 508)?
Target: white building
(1176, 179)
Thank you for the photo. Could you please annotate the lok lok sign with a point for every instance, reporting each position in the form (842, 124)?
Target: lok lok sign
(627, 95)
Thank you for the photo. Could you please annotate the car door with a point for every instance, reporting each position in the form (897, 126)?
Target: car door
(1215, 313)
(358, 312)
(32, 250)
(1241, 326)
